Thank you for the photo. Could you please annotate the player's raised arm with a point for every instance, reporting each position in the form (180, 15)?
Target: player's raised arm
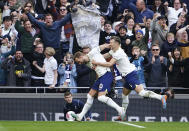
(105, 64)
(104, 46)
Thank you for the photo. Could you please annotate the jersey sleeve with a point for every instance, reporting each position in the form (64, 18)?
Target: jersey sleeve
(94, 51)
(115, 55)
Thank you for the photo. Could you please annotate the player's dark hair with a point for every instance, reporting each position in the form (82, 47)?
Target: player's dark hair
(67, 93)
(115, 38)
(77, 55)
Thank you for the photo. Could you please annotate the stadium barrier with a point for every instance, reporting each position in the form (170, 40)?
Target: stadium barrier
(49, 107)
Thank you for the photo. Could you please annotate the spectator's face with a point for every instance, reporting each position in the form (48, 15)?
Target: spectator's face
(68, 98)
(170, 38)
(130, 24)
(39, 48)
(176, 53)
(155, 50)
(137, 27)
(162, 22)
(29, 5)
(140, 5)
(76, 1)
(131, 14)
(62, 2)
(107, 28)
(27, 25)
(7, 24)
(136, 52)
(14, 15)
(182, 18)
(117, 27)
(184, 36)
(12, 2)
(157, 3)
(102, 21)
(18, 55)
(148, 21)
(122, 32)
(63, 11)
(177, 4)
(48, 20)
(5, 41)
(139, 36)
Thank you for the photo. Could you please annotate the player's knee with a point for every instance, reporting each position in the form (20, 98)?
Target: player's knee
(89, 99)
(103, 98)
(143, 93)
(125, 97)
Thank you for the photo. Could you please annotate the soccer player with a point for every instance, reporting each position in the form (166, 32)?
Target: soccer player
(128, 72)
(102, 84)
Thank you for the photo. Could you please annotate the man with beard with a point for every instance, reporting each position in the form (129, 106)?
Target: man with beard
(18, 70)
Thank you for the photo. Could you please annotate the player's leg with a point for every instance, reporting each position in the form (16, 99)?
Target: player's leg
(146, 93)
(107, 100)
(88, 104)
(105, 85)
(125, 98)
(134, 83)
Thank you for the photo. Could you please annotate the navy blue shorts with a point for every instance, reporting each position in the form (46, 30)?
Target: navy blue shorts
(103, 83)
(131, 80)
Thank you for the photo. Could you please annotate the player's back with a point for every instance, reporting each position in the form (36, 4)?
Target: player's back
(122, 62)
(95, 55)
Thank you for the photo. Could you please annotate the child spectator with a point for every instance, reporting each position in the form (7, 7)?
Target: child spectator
(139, 60)
(67, 72)
(141, 40)
(169, 45)
(49, 67)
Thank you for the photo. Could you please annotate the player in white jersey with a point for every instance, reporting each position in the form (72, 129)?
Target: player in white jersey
(128, 72)
(103, 83)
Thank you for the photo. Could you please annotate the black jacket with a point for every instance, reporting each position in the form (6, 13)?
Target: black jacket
(9, 66)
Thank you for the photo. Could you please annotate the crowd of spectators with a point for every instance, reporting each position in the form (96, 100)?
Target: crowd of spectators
(37, 42)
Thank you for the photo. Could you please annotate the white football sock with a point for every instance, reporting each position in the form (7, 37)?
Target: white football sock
(125, 101)
(151, 94)
(87, 106)
(110, 102)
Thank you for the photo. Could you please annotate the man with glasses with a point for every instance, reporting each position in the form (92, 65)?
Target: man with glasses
(38, 57)
(157, 68)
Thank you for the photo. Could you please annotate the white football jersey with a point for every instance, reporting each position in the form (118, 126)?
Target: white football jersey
(95, 54)
(122, 62)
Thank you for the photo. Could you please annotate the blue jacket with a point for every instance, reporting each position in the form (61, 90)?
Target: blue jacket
(76, 106)
(51, 35)
(139, 64)
(140, 15)
(67, 73)
(3, 56)
(157, 72)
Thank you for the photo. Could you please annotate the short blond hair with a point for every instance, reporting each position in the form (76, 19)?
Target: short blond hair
(50, 51)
